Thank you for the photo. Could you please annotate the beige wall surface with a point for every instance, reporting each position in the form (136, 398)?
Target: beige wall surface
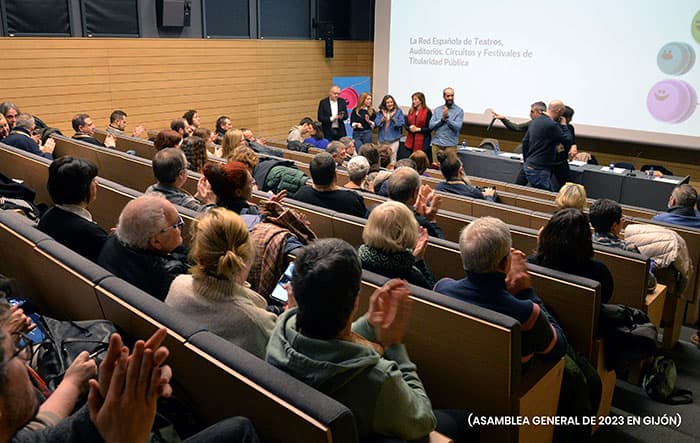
(267, 85)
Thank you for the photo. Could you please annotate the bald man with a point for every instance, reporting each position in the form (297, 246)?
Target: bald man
(332, 111)
(544, 135)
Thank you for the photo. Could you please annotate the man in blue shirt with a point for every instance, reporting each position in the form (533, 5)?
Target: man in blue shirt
(447, 120)
(21, 137)
(681, 208)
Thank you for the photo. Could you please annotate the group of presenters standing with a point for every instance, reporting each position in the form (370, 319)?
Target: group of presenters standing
(547, 145)
(389, 121)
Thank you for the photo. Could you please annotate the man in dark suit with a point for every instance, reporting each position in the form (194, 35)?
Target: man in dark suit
(332, 112)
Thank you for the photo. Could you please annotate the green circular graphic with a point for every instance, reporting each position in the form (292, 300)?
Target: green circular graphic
(695, 27)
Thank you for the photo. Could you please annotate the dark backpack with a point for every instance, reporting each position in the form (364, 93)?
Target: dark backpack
(299, 146)
(629, 336)
(660, 383)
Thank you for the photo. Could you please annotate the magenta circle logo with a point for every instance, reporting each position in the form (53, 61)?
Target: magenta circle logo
(672, 101)
(350, 96)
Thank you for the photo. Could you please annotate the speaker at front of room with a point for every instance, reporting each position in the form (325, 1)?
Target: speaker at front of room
(174, 13)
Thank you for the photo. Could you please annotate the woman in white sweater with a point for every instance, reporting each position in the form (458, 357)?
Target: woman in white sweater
(216, 294)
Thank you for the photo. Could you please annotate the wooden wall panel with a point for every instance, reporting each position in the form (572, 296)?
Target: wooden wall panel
(267, 85)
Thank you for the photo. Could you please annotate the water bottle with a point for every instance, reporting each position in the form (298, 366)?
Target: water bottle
(612, 166)
(651, 172)
(496, 148)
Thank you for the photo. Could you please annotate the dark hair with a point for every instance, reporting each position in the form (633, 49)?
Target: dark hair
(449, 166)
(306, 121)
(322, 167)
(189, 115)
(568, 113)
(540, 106)
(220, 121)
(78, 121)
(167, 165)
(166, 139)
(382, 105)
(177, 124)
(565, 241)
(384, 151)
(116, 115)
(226, 179)
(326, 281)
(70, 179)
(195, 149)
(604, 213)
(370, 152)
(318, 131)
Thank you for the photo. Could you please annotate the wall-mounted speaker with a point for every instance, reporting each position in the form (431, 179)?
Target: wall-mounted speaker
(174, 13)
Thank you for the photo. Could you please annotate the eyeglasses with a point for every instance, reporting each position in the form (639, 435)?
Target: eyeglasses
(24, 349)
(179, 225)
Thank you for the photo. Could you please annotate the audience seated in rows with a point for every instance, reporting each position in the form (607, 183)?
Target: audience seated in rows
(167, 139)
(144, 249)
(325, 191)
(565, 244)
(216, 294)
(84, 129)
(497, 279)
(72, 185)
(258, 144)
(452, 170)
(271, 174)
(364, 364)
(681, 208)
(571, 195)
(170, 169)
(404, 186)
(358, 168)
(117, 124)
(21, 137)
(394, 245)
(121, 403)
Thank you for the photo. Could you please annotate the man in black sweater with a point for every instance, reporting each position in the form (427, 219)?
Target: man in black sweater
(543, 136)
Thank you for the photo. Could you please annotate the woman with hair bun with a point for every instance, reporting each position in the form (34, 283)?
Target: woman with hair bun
(216, 294)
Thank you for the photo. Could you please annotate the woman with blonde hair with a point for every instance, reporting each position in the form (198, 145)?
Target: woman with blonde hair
(232, 139)
(571, 195)
(216, 294)
(362, 120)
(394, 246)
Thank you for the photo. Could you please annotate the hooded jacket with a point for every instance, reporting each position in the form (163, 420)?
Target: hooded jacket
(384, 393)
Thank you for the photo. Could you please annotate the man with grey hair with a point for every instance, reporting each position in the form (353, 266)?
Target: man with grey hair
(350, 150)
(681, 208)
(21, 137)
(358, 168)
(497, 279)
(170, 169)
(337, 150)
(143, 249)
(404, 186)
(10, 111)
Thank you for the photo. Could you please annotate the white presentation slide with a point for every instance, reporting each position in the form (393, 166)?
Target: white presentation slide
(629, 70)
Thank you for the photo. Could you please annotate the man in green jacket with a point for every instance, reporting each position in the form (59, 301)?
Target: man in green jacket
(364, 364)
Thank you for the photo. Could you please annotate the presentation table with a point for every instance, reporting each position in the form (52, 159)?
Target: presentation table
(633, 188)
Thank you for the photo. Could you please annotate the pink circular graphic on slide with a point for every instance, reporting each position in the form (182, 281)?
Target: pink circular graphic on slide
(350, 96)
(672, 101)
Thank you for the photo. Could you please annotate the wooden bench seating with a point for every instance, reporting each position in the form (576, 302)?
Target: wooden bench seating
(216, 378)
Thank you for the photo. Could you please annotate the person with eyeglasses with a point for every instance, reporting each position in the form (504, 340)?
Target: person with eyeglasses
(145, 248)
(170, 168)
